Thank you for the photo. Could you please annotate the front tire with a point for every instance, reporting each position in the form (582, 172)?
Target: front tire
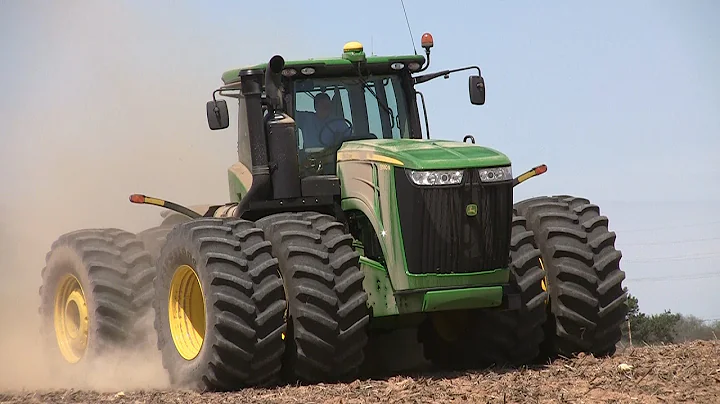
(328, 315)
(585, 280)
(514, 337)
(465, 339)
(219, 306)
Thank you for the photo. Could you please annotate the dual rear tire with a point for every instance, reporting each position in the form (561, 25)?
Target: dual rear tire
(256, 303)
(222, 326)
(87, 299)
(216, 295)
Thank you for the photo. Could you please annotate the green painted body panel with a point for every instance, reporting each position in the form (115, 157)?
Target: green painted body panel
(239, 181)
(232, 76)
(480, 297)
(494, 277)
(459, 299)
(383, 302)
(421, 154)
(237, 188)
(369, 187)
(381, 298)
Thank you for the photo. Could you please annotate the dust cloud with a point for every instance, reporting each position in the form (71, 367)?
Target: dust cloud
(98, 101)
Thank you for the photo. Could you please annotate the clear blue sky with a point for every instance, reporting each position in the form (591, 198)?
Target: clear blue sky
(620, 99)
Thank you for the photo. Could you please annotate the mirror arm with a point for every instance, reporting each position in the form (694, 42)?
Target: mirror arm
(427, 77)
(222, 93)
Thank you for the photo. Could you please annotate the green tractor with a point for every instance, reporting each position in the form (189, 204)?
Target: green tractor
(344, 221)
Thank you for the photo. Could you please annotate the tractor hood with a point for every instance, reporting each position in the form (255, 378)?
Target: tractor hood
(418, 154)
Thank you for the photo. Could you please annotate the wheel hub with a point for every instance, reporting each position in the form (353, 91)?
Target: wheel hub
(71, 319)
(186, 310)
(449, 325)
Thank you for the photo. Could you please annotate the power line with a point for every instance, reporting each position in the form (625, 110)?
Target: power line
(691, 257)
(699, 275)
(696, 240)
(668, 227)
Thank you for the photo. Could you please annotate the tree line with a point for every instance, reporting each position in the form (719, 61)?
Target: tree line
(666, 327)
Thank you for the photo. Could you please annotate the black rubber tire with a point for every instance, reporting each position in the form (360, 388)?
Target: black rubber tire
(585, 280)
(514, 337)
(244, 305)
(612, 298)
(103, 261)
(154, 238)
(327, 305)
(142, 282)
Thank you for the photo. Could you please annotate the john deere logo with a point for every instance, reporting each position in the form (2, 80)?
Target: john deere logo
(471, 210)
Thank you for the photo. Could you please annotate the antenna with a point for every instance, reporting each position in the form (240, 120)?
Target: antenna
(408, 25)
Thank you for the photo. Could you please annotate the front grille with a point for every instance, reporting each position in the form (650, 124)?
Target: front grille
(439, 236)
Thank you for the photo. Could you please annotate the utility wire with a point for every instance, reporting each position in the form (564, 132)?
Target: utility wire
(675, 258)
(699, 275)
(696, 240)
(668, 227)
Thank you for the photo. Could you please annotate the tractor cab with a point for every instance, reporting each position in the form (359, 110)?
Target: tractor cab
(330, 111)
(294, 117)
(331, 101)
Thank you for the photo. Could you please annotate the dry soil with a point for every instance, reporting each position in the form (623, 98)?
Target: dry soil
(676, 373)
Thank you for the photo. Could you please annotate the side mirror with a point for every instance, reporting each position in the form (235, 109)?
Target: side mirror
(477, 90)
(217, 114)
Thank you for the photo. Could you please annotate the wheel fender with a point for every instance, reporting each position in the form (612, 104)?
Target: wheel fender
(395, 261)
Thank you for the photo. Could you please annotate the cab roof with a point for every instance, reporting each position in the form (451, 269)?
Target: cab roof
(352, 52)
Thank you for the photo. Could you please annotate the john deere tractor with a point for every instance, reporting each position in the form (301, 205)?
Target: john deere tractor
(344, 220)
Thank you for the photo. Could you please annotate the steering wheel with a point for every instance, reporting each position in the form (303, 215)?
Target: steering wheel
(336, 134)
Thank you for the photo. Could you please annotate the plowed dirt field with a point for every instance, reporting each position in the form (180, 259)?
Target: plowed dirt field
(676, 373)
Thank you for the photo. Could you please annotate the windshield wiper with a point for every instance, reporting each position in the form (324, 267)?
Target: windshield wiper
(382, 104)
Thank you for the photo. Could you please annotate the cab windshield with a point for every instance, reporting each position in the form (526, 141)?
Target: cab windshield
(330, 110)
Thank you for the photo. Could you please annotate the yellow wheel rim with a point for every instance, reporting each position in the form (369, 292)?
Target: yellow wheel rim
(71, 319)
(186, 309)
(544, 281)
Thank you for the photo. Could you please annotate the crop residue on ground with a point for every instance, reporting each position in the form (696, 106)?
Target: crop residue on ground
(675, 373)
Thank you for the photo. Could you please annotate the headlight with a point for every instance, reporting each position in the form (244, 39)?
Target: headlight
(495, 174)
(440, 177)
